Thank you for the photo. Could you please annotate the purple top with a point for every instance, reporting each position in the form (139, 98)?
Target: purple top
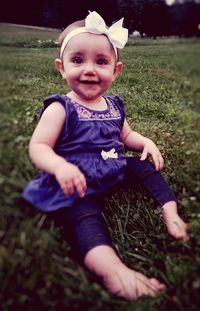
(84, 136)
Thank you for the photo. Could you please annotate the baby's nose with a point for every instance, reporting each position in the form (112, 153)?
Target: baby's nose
(89, 69)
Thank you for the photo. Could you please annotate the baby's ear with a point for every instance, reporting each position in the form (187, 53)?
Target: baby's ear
(118, 69)
(59, 66)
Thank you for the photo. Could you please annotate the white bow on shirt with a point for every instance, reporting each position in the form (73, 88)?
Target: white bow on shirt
(109, 154)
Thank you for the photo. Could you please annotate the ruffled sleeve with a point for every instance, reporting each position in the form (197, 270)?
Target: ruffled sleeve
(120, 105)
(51, 99)
(62, 138)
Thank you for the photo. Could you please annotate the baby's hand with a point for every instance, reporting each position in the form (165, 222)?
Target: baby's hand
(70, 178)
(151, 149)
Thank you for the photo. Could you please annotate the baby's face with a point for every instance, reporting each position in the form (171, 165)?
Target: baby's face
(89, 63)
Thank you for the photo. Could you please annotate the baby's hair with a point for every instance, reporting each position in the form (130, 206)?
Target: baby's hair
(69, 28)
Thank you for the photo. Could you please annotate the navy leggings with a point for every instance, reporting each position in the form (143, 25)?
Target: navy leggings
(84, 224)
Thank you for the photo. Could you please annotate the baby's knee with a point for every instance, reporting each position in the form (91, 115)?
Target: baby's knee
(139, 169)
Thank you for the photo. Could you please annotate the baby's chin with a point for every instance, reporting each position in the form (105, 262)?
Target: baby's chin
(91, 97)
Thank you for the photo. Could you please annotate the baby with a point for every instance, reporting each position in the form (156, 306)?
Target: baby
(78, 144)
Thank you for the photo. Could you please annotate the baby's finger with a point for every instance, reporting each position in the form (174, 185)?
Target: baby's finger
(80, 184)
(158, 161)
(143, 155)
(68, 188)
(161, 161)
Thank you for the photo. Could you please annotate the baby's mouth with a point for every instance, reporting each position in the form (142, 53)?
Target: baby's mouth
(89, 82)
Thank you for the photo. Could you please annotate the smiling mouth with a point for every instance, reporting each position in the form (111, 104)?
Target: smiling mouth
(89, 82)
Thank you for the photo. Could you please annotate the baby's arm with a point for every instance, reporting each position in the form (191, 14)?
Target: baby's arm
(43, 156)
(135, 141)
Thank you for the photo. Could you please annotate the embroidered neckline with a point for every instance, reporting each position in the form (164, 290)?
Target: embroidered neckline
(73, 101)
(112, 112)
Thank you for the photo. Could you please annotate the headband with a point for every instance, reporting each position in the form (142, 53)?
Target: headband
(94, 23)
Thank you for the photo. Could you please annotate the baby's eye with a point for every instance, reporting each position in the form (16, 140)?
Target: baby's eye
(77, 60)
(102, 61)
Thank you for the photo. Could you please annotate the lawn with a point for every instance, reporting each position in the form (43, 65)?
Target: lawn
(160, 85)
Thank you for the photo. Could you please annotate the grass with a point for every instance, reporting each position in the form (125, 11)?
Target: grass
(160, 86)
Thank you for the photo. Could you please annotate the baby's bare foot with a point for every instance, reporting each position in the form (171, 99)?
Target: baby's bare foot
(175, 225)
(129, 284)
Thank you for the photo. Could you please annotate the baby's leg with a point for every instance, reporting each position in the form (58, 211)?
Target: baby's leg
(175, 225)
(91, 240)
(117, 277)
(144, 172)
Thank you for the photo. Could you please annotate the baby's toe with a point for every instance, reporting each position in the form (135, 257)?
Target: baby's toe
(156, 284)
